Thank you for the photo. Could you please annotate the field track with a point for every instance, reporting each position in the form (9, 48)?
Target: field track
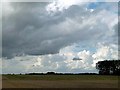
(59, 81)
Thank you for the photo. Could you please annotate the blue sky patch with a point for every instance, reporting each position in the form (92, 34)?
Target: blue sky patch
(94, 5)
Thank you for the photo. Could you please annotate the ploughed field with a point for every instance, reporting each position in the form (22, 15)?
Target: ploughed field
(59, 81)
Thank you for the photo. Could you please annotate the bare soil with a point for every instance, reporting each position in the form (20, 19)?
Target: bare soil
(60, 84)
(8, 83)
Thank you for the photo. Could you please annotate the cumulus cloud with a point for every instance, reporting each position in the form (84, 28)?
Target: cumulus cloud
(105, 52)
(61, 62)
(29, 29)
(41, 37)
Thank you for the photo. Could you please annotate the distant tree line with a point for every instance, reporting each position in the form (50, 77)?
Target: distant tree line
(108, 67)
(53, 73)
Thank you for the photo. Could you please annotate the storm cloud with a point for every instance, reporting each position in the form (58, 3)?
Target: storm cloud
(29, 29)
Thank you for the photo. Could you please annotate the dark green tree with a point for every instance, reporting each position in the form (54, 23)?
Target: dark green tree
(109, 67)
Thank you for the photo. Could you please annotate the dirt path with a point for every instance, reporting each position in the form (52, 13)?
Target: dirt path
(60, 84)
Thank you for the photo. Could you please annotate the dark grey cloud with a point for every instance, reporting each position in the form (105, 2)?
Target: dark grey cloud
(76, 58)
(30, 29)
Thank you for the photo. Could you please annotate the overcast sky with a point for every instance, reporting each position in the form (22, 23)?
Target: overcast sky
(46, 36)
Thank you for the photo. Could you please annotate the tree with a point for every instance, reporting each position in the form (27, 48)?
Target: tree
(109, 67)
(50, 73)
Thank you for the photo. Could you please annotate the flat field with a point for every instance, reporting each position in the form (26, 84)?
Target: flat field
(59, 81)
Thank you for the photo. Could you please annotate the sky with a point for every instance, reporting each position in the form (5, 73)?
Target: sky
(46, 36)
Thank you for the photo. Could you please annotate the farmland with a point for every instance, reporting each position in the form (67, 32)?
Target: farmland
(60, 81)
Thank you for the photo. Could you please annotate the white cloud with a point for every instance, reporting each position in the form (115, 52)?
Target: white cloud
(61, 62)
(56, 38)
(86, 57)
(105, 52)
(60, 5)
(101, 52)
